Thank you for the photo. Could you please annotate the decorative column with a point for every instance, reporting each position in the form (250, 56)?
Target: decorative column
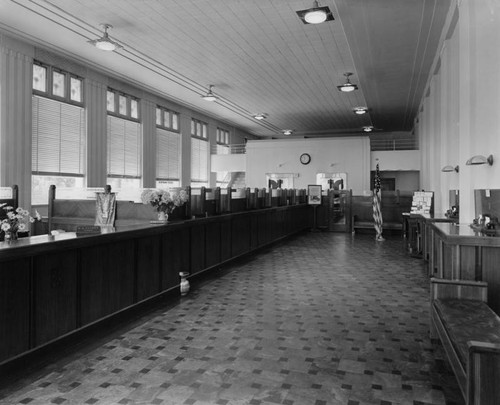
(149, 145)
(97, 145)
(16, 70)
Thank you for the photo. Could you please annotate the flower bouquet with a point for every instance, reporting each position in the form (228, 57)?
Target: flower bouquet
(15, 221)
(164, 201)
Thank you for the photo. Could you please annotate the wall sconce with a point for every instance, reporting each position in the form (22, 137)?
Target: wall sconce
(480, 160)
(450, 168)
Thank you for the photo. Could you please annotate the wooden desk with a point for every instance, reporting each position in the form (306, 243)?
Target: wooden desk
(52, 286)
(462, 253)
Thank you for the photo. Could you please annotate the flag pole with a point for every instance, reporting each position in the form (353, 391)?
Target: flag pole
(377, 213)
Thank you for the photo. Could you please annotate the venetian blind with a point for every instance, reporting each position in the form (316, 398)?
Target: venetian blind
(124, 148)
(168, 155)
(58, 136)
(199, 160)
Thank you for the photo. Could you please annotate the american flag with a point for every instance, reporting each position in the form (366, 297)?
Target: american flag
(377, 213)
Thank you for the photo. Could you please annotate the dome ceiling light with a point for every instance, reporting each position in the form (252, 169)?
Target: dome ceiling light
(360, 110)
(316, 14)
(260, 116)
(287, 132)
(368, 128)
(210, 96)
(105, 43)
(347, 86)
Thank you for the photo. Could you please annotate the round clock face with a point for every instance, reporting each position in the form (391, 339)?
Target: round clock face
(305, 158)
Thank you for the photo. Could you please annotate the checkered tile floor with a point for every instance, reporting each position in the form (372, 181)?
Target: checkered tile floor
(323, 318)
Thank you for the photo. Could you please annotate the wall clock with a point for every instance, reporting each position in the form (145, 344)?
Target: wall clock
(305, 158)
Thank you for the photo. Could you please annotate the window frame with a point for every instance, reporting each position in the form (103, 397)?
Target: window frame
(129, 98)
(195, 133)
(170, 126)
(49, 83)
(223, 137)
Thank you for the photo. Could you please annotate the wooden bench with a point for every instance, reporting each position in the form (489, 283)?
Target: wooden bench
(470, 334)
(392, 206)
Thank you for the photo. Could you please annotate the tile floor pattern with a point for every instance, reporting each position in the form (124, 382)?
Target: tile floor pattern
(323, 318)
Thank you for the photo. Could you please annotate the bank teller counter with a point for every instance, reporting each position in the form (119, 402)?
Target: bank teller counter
(460, 252)
(54, 286)
(418, 234)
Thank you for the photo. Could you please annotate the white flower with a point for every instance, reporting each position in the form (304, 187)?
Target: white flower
(5, 226)
(22, 227)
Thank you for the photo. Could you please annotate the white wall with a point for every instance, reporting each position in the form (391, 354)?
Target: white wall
(229, 163)
(459, 116)
(349, 155)
(396, 160)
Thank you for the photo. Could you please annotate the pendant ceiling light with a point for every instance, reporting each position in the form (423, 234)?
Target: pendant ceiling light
(316, 14)
(105, 43)
(347, 86)
(210, 96)
(287, 132)
(368, 128)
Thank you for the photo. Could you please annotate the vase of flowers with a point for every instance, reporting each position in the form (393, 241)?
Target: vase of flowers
(164, 201)
(15, 221)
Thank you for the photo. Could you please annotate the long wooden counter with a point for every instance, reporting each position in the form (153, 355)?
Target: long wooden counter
(459, 252)
(52, 286)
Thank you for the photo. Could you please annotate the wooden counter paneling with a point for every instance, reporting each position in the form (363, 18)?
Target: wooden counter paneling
(175, 256)
(461, 253)
(148, 267)
(52, 286)
(14, 307)
(107, 279)
(55, 297)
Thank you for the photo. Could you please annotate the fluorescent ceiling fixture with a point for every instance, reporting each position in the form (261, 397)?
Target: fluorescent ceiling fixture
(209, 96)
(316, 14)
(260, 116)
(105, 43)
(368, 129)
(360, 110)
(347, 86)
(287, 132)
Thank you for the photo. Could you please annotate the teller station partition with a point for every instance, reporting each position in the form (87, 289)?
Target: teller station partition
(57, 287)
(461, 252)
(68, 214)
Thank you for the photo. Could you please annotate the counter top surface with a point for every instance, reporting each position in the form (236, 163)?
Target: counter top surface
(464, 234)
(431, 218)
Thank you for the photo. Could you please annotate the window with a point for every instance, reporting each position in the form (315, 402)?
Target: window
(58, 146)
(51, 82)
(199, 153)
(222, 136)
(199, 161)
(124, 148)
(124, 144)
(58, 132)
(122, 105)
(168, 146)
(222, 177)
(199, 129)
(168, 155)
(167, 119)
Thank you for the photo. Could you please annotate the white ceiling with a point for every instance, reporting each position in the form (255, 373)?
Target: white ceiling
(258, 54)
